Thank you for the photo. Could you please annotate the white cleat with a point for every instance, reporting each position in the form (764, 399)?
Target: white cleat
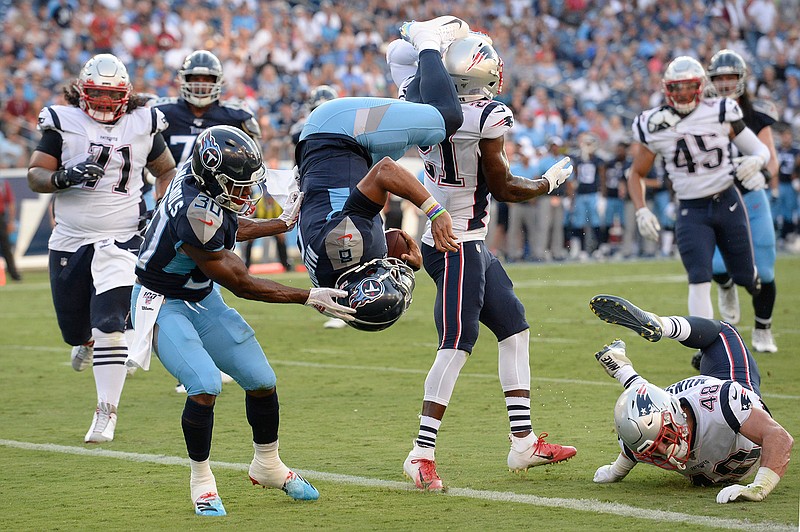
(763, 342)
(423, 472)
(728, 304)
(612, 357)
(335, 323)
(103, 424)
(447, 28)
(82, 355)
(538, 454)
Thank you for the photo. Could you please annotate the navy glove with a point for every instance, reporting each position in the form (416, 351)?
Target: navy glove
(76, 175)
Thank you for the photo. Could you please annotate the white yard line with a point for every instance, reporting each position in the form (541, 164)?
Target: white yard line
(584, 505)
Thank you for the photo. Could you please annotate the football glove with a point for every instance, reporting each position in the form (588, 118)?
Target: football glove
(614, 472)
(648, 223)
(323, 300)
(292, 209)
(756, 491)
(558, 173)
(748, 171)
(80, 173)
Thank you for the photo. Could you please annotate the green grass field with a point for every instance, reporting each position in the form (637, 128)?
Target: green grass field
(349, 406)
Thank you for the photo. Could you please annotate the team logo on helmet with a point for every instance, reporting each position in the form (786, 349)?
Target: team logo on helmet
(644, 403)
(367, 291)
(210, 152)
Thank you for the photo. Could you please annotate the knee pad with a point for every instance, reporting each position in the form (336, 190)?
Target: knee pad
(755, 288)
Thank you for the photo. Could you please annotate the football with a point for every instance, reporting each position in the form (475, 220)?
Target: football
(396, 243)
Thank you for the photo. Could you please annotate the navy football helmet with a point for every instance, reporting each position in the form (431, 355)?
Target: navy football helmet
(229, 168)
(320, 95)
(380, 291)
(728, 62)
(200, 93)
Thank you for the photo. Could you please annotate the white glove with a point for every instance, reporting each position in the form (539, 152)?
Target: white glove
(757, 491)
(748, 171)
(291, 211)
(322, 299)
(558, 173)
(648, 223)
(613, 472)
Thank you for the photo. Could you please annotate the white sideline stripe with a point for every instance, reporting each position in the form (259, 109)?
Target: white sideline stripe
(664, 279)
(584, 505)
(387, 369)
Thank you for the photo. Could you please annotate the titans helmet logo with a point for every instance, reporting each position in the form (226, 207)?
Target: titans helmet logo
(367, 291)
(210, 152)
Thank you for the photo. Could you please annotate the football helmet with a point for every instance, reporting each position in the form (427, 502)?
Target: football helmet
(320, 95)
(104, 88)
(200, 93)
(475, 67)
(229, 168)
(684, 83)
(380, 291)
(651, 423)
(727, 62)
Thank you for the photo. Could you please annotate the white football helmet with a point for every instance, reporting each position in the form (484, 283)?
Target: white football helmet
(684, 83)
(200, 93)
(651, 423)
(475, 67)
(104, 88)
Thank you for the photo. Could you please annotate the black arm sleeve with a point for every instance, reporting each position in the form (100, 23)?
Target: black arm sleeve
(738, 127)
(50, 144)
(159, 145)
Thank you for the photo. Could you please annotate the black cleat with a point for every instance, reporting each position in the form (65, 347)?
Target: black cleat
(619, 311)
(696, 359)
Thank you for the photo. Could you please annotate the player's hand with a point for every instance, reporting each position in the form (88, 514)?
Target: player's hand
(323, 299)
(748, 171)
(612, 358)
(750, 492)
(292, 209)
(648, 223)
(414, 256)
(558, 173)
(606, 475)
(76, 175)
(442, 231)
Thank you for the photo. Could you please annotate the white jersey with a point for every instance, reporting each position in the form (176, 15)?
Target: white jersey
(452, 169)
(696, 148)
(718, 452)
(108, 207)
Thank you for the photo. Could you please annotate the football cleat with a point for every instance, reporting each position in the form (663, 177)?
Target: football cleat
(335, 323)
(292, 484)
(619, 311)
(82, 356)
(447, 28)
(103, 424)
(209, 504)
(728, 304)
(423, 473)
(763, 342)
(540, 453)
(696, 358)
(612, 357)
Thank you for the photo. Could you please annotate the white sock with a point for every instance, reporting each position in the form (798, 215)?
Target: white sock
(700, 300)
(624, 374)
(428, 430)
(675, 327)
(522, 444)
(427, 40)
(202, 479)
(108, 365)
(266, 458)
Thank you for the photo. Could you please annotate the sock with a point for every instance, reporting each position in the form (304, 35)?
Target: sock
(702, 332)
(625, 375)
(675, 327)
(700, 300)
(427, 40)
(763, 304)
(270, 468)
(198, 424)
(202, 480)
(108, 365)
(522, 444)
(263, 417)
(428, 430)
(519, 413)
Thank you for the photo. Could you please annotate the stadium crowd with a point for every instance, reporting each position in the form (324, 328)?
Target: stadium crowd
(576, 71)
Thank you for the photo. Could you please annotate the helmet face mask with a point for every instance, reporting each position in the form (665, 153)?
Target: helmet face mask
(379, 290)
(683, 84)
(228, 166)
(475, 67)
(200, 78)
(652, 424)
(728, 73)
(104, 88)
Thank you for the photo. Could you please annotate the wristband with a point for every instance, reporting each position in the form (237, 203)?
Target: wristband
(767, 479)
(432, 208)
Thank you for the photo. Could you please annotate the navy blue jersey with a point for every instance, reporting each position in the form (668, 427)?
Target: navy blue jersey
(615, 174)
(587, 172)
(787, 163)
(186, 215)
(184, 126)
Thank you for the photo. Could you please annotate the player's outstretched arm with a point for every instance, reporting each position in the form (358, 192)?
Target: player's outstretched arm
(615, 471)
(647, 222)
(256, 228)
(776, 446)
(504, 185)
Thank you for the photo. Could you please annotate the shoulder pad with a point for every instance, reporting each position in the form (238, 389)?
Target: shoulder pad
(732, 111)
(251, 127)
(48, 119)
(663, 118)
(235, 104)
(766, 107)
(162, 101)
(203, 219)
(496, 120)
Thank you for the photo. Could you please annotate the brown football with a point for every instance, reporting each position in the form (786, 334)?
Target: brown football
(396, 243)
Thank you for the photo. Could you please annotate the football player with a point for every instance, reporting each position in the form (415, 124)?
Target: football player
(693, 135)
(728, 73)
(346, 171)
(463, 172)
(712, 428)
(91, 156)
(178, 310)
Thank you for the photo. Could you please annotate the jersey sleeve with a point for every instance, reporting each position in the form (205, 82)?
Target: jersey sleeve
(736, 403)
(160, 122)
(48, 120)
(638, 128)
(201, 224)
(496, 120)
(730, 111)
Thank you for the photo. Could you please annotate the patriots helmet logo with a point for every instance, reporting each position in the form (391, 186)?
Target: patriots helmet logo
(210, 152)
(367, 291)
(644, 403)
